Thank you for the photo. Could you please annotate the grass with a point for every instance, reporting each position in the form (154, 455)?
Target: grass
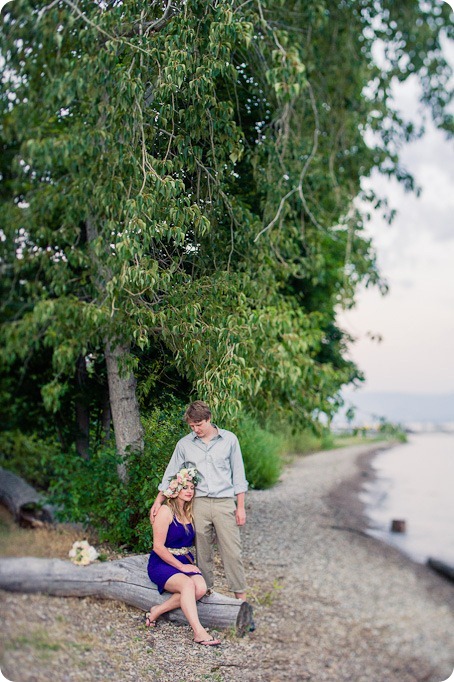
(42, 645)
(359, 439)
(36, 640)
(261, 596)
(43, 648)
(53, 542)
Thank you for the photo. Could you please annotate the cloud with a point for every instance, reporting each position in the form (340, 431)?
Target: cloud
(423, 230)
(416, 255)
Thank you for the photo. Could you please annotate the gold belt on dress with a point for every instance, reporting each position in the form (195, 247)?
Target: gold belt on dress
(179, 551)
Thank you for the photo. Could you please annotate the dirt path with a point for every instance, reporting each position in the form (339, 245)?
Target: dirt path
(330, 604)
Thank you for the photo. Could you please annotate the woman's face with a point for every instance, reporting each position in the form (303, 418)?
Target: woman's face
(187, 493)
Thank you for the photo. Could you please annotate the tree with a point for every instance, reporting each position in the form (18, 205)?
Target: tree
(183, 177)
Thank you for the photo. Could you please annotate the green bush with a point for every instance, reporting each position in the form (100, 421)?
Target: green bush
(392, 430)
(28, 456)
(261, 453)
(305, 441)
(89, 491)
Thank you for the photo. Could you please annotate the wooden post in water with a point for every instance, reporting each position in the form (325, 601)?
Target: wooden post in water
(398, 526)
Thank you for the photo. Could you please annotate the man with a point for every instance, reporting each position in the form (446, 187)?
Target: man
(216, 454)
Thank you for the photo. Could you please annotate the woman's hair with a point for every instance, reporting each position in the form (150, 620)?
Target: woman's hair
(198, 411)
(187, 510)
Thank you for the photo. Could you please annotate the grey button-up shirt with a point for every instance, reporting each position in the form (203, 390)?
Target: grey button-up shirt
(219, 463)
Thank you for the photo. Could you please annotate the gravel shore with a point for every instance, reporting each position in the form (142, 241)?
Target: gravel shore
(331, 603)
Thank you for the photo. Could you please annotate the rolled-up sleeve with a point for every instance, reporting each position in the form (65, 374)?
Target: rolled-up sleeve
(173, 467)
(240, 484)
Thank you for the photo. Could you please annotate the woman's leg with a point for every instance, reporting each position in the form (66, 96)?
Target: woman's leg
(169, 604)
(200, 586)
(187, 589)
(173, 602)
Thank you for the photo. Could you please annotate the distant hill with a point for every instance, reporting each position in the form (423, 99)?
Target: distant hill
(401, 407)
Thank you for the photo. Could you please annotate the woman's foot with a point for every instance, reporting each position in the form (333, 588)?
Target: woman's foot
(208, 642)
(150, 622)
(202, 637)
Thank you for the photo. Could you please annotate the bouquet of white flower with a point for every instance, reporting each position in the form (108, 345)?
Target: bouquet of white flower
(82, 553)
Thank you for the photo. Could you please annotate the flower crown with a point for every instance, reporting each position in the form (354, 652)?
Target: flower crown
(188, 474)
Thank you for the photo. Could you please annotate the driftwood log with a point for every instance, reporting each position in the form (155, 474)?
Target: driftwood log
(124, 580)
(440, 567)
(24, 502)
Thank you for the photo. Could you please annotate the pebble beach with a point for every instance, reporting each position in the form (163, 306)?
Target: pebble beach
(330, 603)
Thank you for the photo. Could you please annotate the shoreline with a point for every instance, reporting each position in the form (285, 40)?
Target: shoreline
(345, 497)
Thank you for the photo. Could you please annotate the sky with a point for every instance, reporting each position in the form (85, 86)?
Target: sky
(416, 257)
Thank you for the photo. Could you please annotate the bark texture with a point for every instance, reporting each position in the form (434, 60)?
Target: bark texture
(123, 403)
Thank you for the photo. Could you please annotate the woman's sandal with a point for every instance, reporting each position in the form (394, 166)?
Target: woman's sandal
(150, 623)
(208, 642)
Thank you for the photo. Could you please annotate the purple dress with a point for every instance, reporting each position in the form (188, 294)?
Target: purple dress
(159, 571)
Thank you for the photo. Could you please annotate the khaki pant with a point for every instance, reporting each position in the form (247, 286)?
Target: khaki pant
(217, 515)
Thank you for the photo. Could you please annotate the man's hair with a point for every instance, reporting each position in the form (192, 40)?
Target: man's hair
(198, 411)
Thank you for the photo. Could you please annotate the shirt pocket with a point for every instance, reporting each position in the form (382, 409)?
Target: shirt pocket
(221, 462)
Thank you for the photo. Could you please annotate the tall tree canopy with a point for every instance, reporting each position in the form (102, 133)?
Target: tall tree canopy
(179, 186)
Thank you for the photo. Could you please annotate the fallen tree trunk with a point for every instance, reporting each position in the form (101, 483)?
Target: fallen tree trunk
(23, 501)
(124, 580)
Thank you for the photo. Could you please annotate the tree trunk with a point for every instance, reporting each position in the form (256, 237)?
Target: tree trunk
(82, 430)
(124, 407)
(123, 403)
(82, 411)
(124, 580)
(24, 502)
(106, 417)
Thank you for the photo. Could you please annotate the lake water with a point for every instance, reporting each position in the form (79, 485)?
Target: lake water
(415, 482)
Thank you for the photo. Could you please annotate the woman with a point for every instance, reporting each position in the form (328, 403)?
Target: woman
(171, 563)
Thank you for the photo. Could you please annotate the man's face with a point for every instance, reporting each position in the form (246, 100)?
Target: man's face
(201, 429)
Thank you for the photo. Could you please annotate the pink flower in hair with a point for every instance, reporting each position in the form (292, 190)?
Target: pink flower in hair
(180, 480)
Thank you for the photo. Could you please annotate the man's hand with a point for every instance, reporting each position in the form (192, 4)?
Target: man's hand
(154, 510)
(240, 516)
